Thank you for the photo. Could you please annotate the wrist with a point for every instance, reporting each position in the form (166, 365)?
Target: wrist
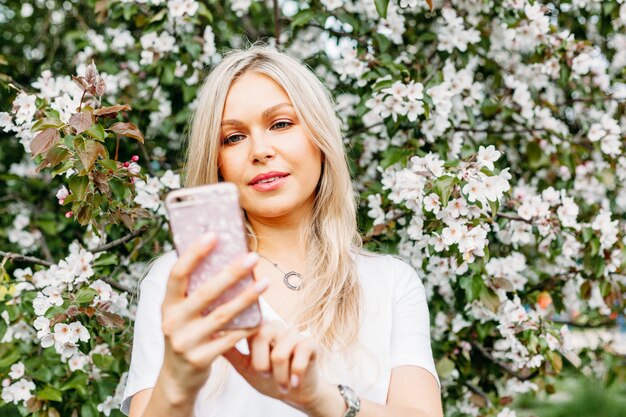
(176, 396)
(329, 403)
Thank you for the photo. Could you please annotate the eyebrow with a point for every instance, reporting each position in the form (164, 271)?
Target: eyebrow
(266, 113)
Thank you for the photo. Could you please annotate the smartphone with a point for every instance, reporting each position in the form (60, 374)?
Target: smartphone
(193, 212)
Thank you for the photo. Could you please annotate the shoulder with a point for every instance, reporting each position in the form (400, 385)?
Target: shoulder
(158, 270)
(391, 270)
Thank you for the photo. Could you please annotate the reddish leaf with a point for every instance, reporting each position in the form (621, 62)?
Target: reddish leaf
(128, 129)
(73, 311)
(56, 155)
(430, 4)
(44, 141)
(58, 319)
(84, 214)
(100, 85)
(101, 181)
(107, 319)
(88, 152)
(91, 74)
(80, 81)
(111, 110)
(80, 122)
(89, 311)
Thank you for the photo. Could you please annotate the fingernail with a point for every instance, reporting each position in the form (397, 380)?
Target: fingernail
(208, 238)
(283, 389)
(261, 285)
(294, 381)
(250, 260)
(265, 374)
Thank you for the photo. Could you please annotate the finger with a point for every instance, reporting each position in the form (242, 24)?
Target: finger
(261, 345)
(304, 355)
(206, 353)
(214, 287)
(281, 356)
(239, 361)
(185, 265)
(201, 328)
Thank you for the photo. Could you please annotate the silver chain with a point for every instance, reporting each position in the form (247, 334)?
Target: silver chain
(287, 275)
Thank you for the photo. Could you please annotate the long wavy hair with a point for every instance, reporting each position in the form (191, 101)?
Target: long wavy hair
(331, 296)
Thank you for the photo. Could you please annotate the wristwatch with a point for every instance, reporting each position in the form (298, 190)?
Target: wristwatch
(352, 401)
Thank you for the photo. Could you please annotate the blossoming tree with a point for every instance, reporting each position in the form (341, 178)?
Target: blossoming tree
(486, 138)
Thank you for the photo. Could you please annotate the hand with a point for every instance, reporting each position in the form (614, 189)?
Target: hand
(281, 365)
(193, 341)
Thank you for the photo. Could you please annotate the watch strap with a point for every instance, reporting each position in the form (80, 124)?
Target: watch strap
(351, 399)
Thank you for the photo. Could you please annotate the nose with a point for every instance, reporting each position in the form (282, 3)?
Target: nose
(262, 149)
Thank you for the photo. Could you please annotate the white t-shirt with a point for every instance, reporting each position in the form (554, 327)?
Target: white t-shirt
(394, 331)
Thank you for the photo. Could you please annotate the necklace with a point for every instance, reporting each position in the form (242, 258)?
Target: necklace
(287, 276)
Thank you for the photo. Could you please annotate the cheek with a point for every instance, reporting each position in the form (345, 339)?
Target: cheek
(229, 166)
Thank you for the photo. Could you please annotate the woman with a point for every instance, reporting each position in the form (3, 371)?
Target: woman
(351, 337)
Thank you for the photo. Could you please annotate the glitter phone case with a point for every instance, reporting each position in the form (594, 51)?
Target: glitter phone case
(193, 212)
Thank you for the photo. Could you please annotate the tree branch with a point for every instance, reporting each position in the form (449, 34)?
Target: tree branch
(118, 286)
(277, 22)
(476, 390)
(121, 240)
(23, 258)
(506, 368)
(600, 324)
(512, 216)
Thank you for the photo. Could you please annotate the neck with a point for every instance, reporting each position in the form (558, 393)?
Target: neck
(279, 239)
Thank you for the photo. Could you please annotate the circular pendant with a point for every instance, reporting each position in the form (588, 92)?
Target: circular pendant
(293, 280)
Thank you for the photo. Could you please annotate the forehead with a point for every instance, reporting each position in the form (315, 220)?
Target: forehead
(253, 91)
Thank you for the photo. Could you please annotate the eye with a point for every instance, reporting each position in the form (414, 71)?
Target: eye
(284, 123)
(231, 139)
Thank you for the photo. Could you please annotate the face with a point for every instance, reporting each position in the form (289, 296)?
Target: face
(265, 151)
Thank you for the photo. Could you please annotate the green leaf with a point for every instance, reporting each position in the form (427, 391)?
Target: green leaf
(444, 186)
(88, 410)
(489, 298)
(109, 164)
(103, 362)
(46, 123)
(96, 131)
(167, 75)
(302, 18)
(12, 357)
(595, 246)
(394, 155)
(77, 381)
(3, 328)
(202, 11)
(588, 233)
(85, 295)
(120, 190)
(42, 373)
(470, 116)
(381, 7)
(50, 393)
(564, 74)
(445, 367)
(78, 186)
(534, 154)
(494, 205)
(106, 259)
(473, 286)
(381, 85)
(382, 41)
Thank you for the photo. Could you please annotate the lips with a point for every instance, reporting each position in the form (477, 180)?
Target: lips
(267, 177)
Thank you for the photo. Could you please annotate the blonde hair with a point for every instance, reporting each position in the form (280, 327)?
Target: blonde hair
(331, 295)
